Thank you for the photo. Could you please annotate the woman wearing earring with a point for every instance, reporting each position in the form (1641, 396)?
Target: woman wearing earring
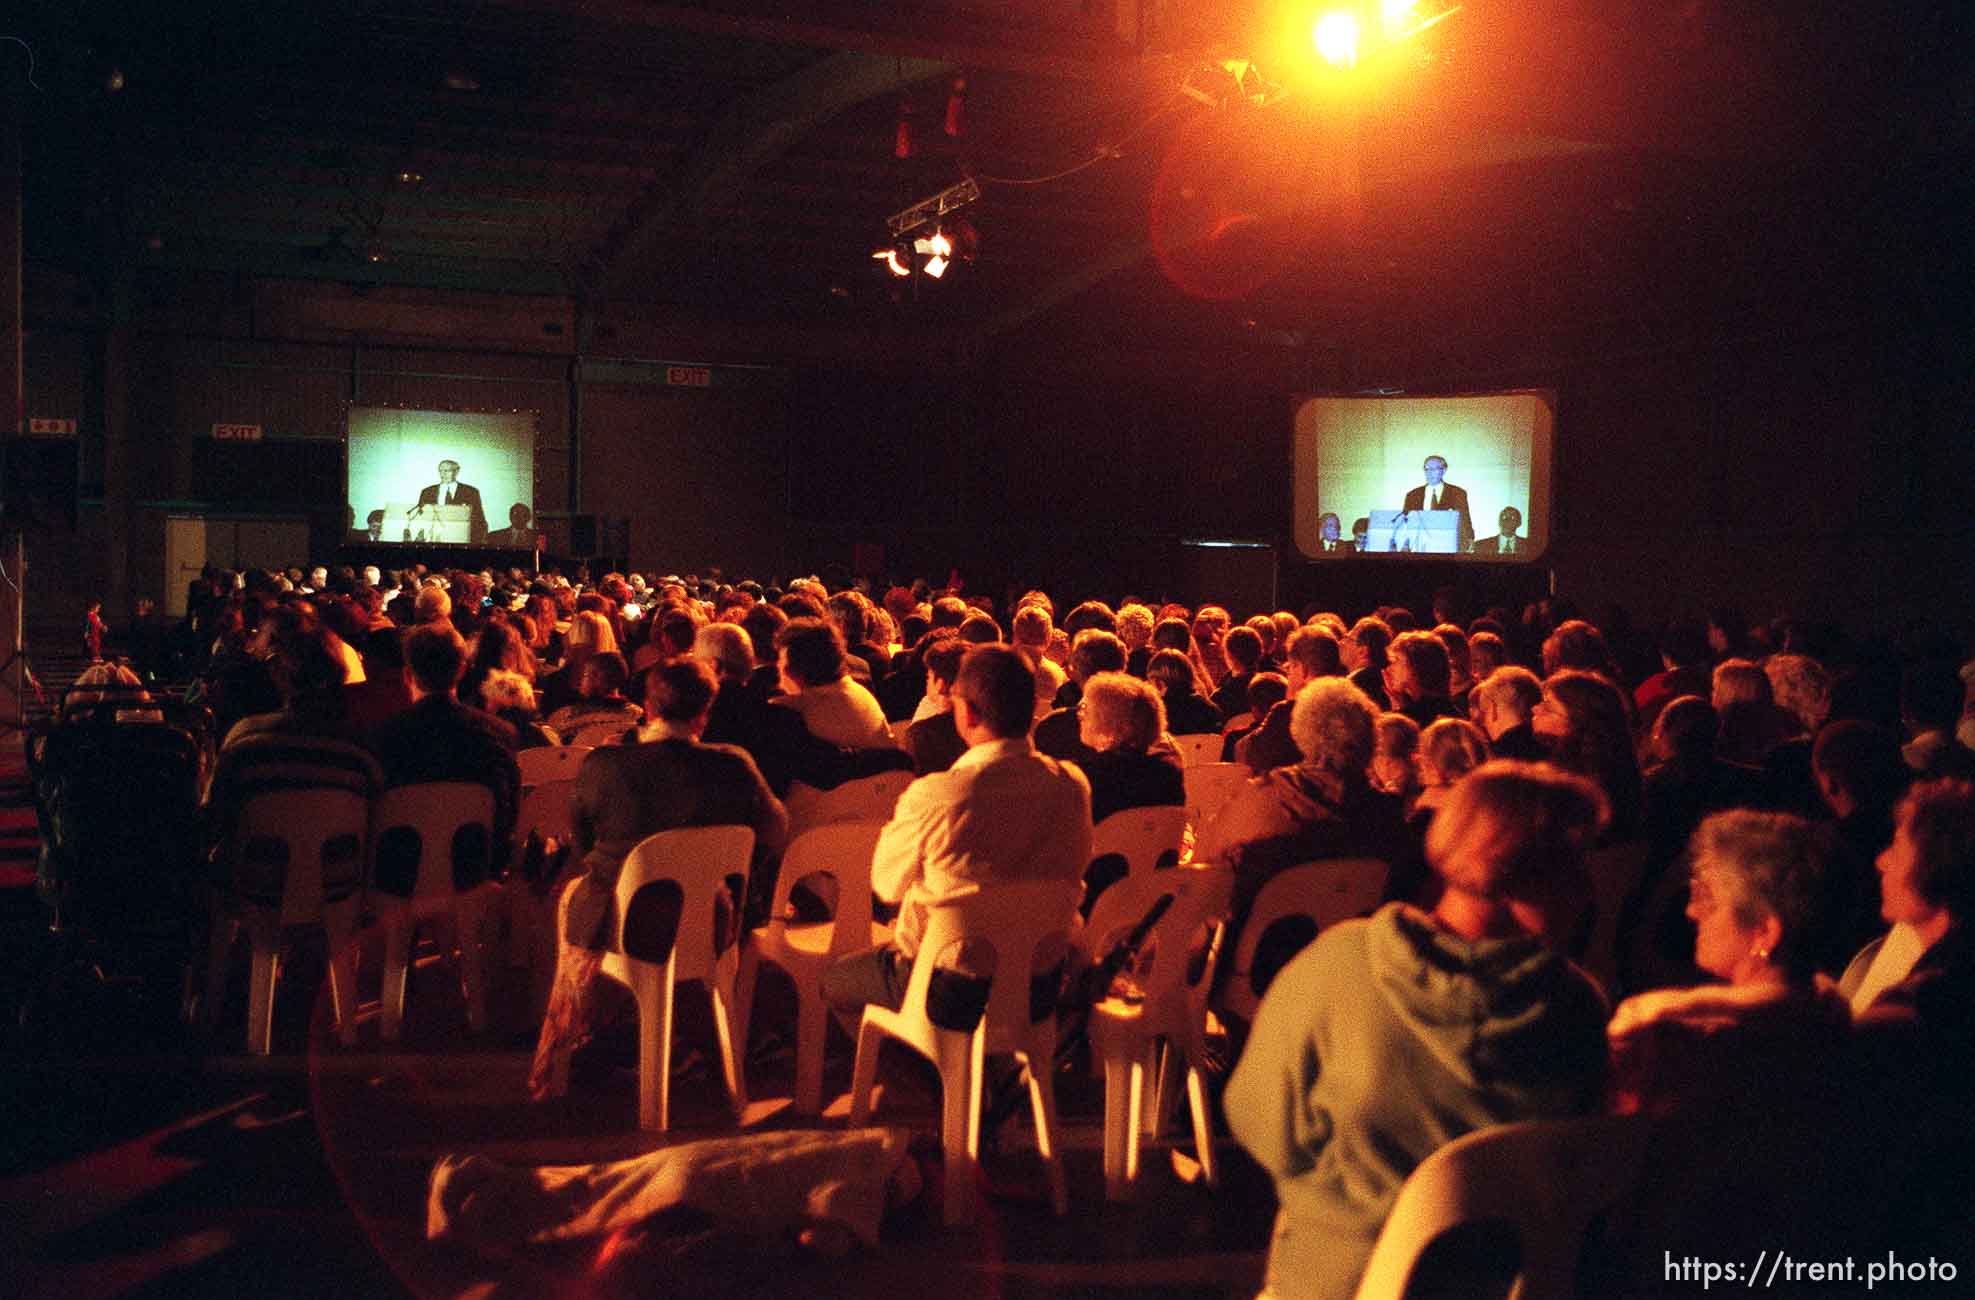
(1755, 903)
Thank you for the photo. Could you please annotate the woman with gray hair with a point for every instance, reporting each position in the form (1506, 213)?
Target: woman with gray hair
(1322, 807)
(1119, 720)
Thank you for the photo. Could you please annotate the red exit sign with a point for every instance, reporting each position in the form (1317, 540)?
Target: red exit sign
(689, 376)
(236, 433)
(35, 425)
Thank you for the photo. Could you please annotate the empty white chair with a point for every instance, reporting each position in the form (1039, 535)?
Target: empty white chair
(1210, 787)
(1325, 892)
(1020, 922)
(677, 874)
(1544, 1182)
(432, 852)
(1201, 749)
(296, 857)
(869, 798)
(1161, 1035)
(842, 851)
(1146, 838)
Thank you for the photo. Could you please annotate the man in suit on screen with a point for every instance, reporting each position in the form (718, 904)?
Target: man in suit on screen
(1507, 543)
(1438, 494)
(449, 491)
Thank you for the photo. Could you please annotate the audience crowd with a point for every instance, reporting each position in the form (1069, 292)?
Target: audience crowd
(1786, 809)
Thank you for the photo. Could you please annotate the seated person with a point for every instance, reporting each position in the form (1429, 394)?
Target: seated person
(600, 706)
(1187, 713)
(1418, 676)
(817, 686)
(1387, 1037)
(1002, 813)
(1322, 807)
(1093, 651)
(1395, 757)
(1265, 691)
(623, 794)
(1448, 751)
(1123, 718)
(1311, 652)
(934, 742)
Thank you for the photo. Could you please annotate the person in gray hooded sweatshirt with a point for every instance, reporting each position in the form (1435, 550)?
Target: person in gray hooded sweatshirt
(1390, 1036)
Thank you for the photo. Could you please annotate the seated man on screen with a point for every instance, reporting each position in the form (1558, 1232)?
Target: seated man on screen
(519, 533)
(1507, 543)
(1438, 494)
(1330, 532)
(449, 491)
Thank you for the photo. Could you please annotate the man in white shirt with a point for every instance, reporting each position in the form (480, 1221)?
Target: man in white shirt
(1002, 813)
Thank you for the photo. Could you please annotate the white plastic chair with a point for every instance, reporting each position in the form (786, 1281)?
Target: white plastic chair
(1200, 750)
(1016, 920)
(548, 763)
(843, 851)
(1544, 1181)
(599, 733)
(297, 858)
(1210, 787)
(1162, 1035)
(435, 812)
(697, 860)
(1327, 892)
(869, 798)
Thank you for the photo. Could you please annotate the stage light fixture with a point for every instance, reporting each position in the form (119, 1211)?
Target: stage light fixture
(1336, 37)
(889, 256)
(938, 252)
(1397, 16)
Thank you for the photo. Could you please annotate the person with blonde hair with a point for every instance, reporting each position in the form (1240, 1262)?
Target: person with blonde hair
(1120, 719)
(1448, 751)
(1395, 756)
(1390, 1036)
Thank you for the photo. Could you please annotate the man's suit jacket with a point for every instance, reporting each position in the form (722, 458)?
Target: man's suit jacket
(1493, 546)
(464, 494)
(1451, 498)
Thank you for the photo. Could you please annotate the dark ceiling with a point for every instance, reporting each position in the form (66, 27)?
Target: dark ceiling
(1616, 164)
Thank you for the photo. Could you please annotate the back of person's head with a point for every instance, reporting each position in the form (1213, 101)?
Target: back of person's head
(1456, 643)
(1863, 761)
(763, 623)
(1264, 627)
(1684, 644)
(1121, 712)
(1265, 691)
(1400, 619)
(1030, 627)
(1576, 644)
(679, 690)
(504, 691)
(1425, 659)
(1450, 748)
(912, 629)
(1243, 648)
(603, 676)
(435, 656)
(800, 605)
(727, 649)
(1091, 613)
(1513, 689)
(1939, 818)
(1170, 671)
(1333, 724)
(1514, 830)
(944, 651)
(590, 633)
(1768, 863)
(980, 629)
(851, 612)
(1686, 729)
(432, 605)
(1931, 693)
(1096, 651)
(1801, 685)
(950, 611)
(1171, 634)
(1395, 745)
(999, 687)
(813, 650)
(1134, 625)
(1739, 681)
(1372, 635)
(1316, 651)
(1486, 653)
(678, 627)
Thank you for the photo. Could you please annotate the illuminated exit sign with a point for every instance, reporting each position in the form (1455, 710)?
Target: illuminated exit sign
(236, 433)
(51, 426)
(689, 376)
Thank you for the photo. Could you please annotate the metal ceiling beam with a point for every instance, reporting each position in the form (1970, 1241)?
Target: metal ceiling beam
(750, 135)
